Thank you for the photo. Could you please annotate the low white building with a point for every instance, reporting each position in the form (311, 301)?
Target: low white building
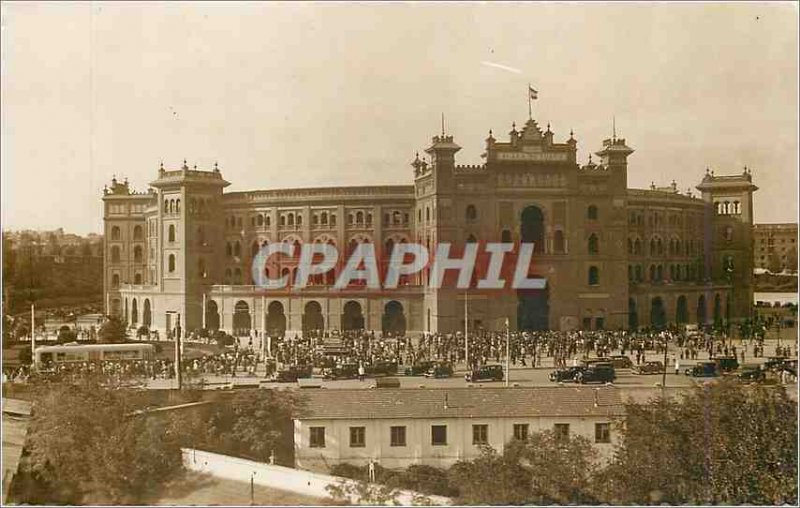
(438, 427)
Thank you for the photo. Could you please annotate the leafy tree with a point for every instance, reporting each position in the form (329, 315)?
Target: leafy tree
(510, 482)
(89, 449)
(774, 264)
(724, 443)
(255, 424)
(113, 331)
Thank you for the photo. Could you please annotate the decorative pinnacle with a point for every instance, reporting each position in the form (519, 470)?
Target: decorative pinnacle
(216, 167)
(571, 134)
(162, 165)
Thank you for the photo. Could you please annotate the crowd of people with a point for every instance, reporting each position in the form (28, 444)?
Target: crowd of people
(330, 349)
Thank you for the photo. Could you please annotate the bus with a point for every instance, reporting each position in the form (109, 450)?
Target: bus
(70, 353)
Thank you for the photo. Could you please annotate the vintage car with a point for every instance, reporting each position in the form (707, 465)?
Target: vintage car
(292, 373)
(345, 371)
(703, 369)
(621, 362)
(381, 369)
(726, 363)
(440, 370)
(485, 373)
(419, 368)
(565, 374)
(649, 368)
(752, 373)
(596, 373)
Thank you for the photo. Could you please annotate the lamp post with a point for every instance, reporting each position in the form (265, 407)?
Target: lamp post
(466, 332)
(508, 342)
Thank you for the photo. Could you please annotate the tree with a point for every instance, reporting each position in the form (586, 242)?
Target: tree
(791, 259)
(509, 481)
(724, 443)
(113, 331)
(774, 264)
(88, 448)
(255, 424)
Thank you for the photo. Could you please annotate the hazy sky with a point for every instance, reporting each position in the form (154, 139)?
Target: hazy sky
(306, 94)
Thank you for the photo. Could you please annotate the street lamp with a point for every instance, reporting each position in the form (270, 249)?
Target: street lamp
(508, 342)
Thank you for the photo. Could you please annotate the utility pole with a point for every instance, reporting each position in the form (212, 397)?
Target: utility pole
(508, 343)
(664, 374)
(466, 331)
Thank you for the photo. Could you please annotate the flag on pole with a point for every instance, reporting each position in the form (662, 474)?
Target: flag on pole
(533, 93)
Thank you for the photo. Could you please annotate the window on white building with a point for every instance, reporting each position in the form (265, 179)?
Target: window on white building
(439, 435)
(316, 437)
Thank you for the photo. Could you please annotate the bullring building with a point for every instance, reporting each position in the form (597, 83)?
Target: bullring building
(612, 257)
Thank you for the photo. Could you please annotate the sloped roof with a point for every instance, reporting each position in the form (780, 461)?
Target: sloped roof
(473, 402)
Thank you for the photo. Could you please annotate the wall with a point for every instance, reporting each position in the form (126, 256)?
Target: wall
(277, 477)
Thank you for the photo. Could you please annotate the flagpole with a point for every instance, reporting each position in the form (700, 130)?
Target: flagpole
(530, 115)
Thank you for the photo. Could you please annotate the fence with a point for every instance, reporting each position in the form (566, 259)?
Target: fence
(279, 477)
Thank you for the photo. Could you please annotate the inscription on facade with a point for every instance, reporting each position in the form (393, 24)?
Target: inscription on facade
(531, 156)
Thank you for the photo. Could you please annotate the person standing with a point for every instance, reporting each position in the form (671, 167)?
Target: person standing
(677, 366)
(361, 371)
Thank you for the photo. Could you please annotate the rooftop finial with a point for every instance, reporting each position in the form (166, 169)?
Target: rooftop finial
(162, 166)
(184, 164)
(614, 126)
(442, 124)
(548, 126)
(216, 167)
(571, 134)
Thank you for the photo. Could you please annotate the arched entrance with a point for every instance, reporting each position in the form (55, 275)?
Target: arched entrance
(702, 313)
(717, 310)
(147, 316)
(394, 321)
(241, 319)
(633, 315)
(134, 313)
(276, 319)
(658, 316)
(312, 317)
(533, 307)
(352, 318)
(682, 311)
(212, 316)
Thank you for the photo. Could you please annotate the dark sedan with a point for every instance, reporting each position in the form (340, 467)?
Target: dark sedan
(649, 368)
(566, 374)
(419, 368)
(440, 370)
(597, 373)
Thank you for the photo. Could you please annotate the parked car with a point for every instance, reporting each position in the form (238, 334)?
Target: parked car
(419, 368)
(381, 369)
(649, 368)
(621, 362)
(439, 370)
(775, 362)
(726, 363)
(565, 374)
(345, 371)
(703, 369)
(752, 372)
(485, 373)
(596, 373)
(292, 373)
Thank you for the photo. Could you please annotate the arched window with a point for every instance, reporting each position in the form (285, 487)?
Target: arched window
(115, 254)
(505, 236)
(471, 213)
(237, 249)
(115, 233)
(333, 219)
(260, 220)
(591, 212)
(594, 276)
(138, 233)
(115, 280)
(290, 219)
(166, 206)
(593, 244)
(660, 246)
(558, 242)
(419, 215)
(638, 273)
(268, 220)
(314, 219)
(137, 279)
(350, 218)
(652, 273)
(171, 234)
(299, 219)
(137, 254)
(369, 218)
(396, 217)
(171, 263)
(229, 249)
(324, 218)
(427, 214)
(630, 246)
(659, 273)
(177, 206)
(728, 233)
(359, 217)
(637, 247)
(652, 246)
(171, 205)
(282, 220)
